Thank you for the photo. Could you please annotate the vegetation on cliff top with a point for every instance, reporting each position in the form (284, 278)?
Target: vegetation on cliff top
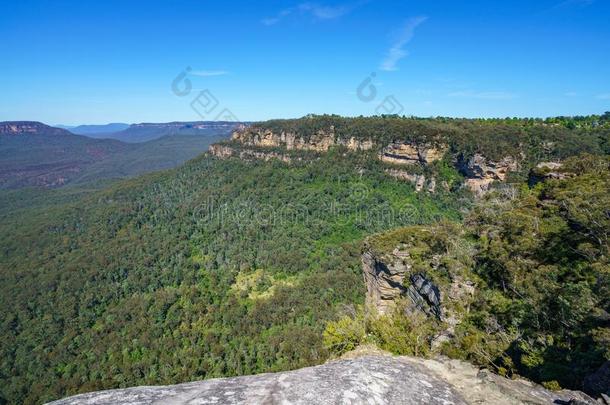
(228, 267)
(537, 139)
(542, 267)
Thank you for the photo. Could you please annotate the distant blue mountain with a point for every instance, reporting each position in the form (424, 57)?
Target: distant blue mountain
(92, 130)
(33, 154)
(144, 132)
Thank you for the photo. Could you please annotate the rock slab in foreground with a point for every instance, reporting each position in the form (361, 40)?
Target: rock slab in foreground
(371, 379)
(365, 380)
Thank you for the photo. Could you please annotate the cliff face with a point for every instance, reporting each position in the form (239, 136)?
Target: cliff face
(319, 142)
(420, 271)
(410, 153)
(480, 172)
(369, 379)
(393, 276)
(224, 152)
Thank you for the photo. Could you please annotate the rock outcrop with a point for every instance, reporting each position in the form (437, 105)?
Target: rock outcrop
(390, 278)
(434, 282)
(548, 171)
(420, 182)
(481, 172)
(408, 153)
(384, 282)
(484, 387)
(371, 379)
(321, 141)
(223, 152)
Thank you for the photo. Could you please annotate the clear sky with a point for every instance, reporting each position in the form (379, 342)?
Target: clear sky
(73, 62)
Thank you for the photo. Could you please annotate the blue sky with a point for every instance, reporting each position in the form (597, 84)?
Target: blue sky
(75, 62)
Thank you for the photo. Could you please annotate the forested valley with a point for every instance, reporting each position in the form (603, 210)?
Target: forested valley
(228, 267)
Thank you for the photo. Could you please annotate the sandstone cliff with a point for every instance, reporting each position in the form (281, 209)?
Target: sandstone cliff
(225, 151)
(321, 141)
(411, 153)
(420, 264)
(480, 172)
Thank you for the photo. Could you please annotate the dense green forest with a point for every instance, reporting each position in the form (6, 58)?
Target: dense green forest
(229, 267)
(216, 268)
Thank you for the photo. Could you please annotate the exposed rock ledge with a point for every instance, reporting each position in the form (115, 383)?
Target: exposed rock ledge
(319, 142)
(419, 180)
(400, 153)
(377, 379)
(224, 152)
(481, 172)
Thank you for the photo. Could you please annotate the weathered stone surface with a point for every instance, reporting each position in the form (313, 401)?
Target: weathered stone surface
(367, 377)
(363, 380)
(483, 387)
(427, 297)
(221, 151)
(390, 278)
(384, 282)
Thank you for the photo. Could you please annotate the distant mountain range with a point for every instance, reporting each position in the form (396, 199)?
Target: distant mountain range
(148, 131)
(93, 130)
(35, 154)
(143, 132)
(8, 128)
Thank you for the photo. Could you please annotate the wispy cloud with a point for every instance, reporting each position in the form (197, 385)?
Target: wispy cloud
(324, 12)
(277, 18)
(208, 73)
(571, 3)
(570, 94)
(397, 51)
(483, 95)
(315, 10)
(605, 96)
